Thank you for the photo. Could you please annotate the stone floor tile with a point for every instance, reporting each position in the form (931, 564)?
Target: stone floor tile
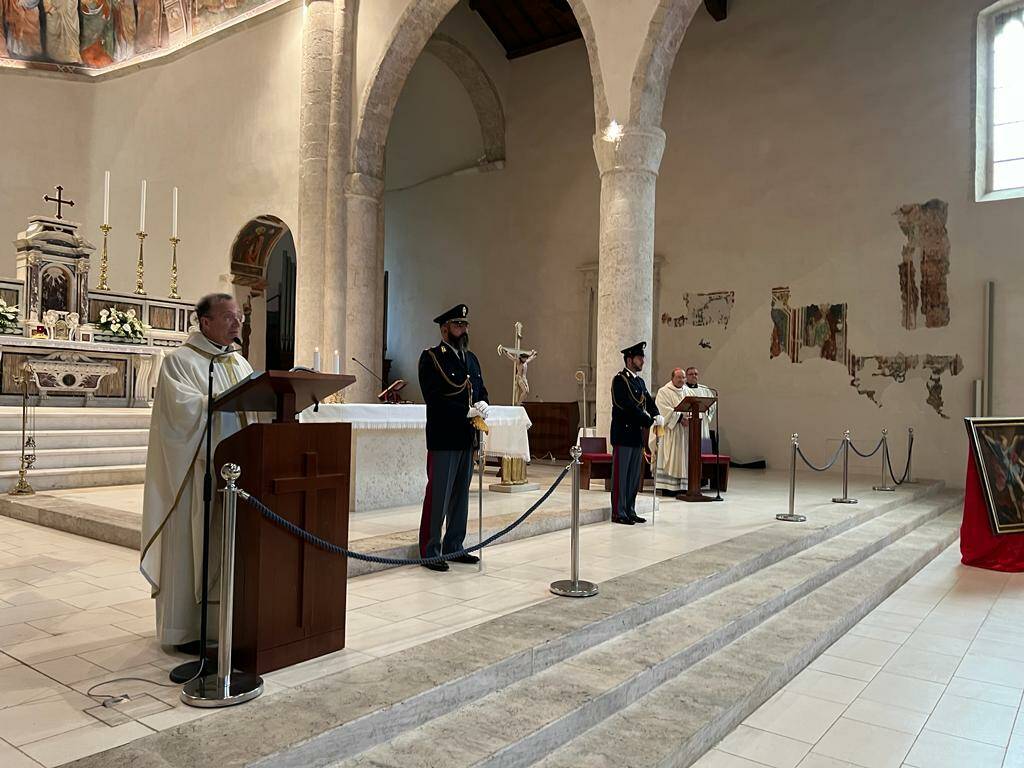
(12, 757)
(65, 747)
(863, 649)
(845, 667)
(996, 694)
(925, 665)
(824, 685)
(906, 692)
(866, 745)
(939, 750)
(989, 669)
(763, 747)
(718, 759)
(41, 719)
(796, 716)
(973, 719)
(886, 715)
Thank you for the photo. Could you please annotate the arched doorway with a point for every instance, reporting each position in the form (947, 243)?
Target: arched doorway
(263, 266)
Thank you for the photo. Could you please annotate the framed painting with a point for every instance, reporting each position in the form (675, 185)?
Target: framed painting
(998, 447)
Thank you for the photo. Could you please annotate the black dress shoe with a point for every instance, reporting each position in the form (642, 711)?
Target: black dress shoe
(438, 566)
(638, 519)
(468, 559)
(623, 521)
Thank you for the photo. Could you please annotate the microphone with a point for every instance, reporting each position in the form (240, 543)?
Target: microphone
(718, 451)
(378, 378)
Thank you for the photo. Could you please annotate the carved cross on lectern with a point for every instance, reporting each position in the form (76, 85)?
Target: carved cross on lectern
(59, 200)
(309, 485)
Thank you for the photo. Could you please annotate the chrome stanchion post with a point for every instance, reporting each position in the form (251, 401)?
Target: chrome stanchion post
(481, 459)
(910, 455)
(574, 587)
(792, 516)
(225, 688)
(885, 457)
(845, 498)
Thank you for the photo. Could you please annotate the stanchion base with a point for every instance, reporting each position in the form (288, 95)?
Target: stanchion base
(882, 488)
(843, 500)
(188, 671)
(569, 588)
(788, 518)
(204, 691)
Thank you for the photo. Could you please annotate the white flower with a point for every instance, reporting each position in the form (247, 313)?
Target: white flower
(131, 313)
(104, 313)
(115, 326)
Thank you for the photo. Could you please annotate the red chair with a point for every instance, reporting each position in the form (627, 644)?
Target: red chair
(707, 470)
(595, 462)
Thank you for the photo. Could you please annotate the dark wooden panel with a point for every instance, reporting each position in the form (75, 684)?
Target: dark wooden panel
(9, 295)
(527, 26)
(554, 429)
(97, 305)
(162, 317)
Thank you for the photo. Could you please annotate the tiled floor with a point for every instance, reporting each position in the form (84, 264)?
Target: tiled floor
(75, 612)
(931, 679)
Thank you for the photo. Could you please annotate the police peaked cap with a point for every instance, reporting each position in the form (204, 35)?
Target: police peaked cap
(458, 312)
(635, 350)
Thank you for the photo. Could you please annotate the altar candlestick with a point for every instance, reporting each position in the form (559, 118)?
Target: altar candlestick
(174, 212)
(337, 362)
(316, 358)
(142, 209)
(106, 198)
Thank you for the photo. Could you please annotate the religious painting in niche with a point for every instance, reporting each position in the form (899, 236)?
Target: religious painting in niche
(252, 247)
(56, 290)
(997, 445)
(781, 325)
(924, 225)
(703, 309)
(823, 329)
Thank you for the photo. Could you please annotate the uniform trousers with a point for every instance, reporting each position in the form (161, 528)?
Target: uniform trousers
(627, 465)
(446, 500)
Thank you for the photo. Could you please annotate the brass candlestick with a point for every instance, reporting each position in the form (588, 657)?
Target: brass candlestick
(140, 269)
(174, 269)
(28, 443)
(105, 228)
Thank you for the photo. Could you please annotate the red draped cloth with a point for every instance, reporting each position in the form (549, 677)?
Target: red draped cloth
(978, 545)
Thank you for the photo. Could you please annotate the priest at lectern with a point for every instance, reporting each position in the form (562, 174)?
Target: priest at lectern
(172, 509)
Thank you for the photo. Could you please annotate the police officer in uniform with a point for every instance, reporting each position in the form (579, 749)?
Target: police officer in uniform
(633, 408)
(454, 391)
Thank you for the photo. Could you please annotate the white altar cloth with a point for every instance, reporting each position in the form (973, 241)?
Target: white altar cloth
(389, 447)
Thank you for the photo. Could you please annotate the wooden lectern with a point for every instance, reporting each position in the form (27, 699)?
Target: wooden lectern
(289, 595)
(694, 406)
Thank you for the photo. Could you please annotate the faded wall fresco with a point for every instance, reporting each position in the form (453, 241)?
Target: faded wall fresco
(820, 331)
(703, 309)
(927, 244)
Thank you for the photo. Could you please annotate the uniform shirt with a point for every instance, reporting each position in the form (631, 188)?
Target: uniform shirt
(451, 382)
(633, 409)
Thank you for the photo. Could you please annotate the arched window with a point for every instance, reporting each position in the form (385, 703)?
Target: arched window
(1000, 98)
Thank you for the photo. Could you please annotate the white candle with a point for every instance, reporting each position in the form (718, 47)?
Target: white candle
(174, 212)
(106, 198)
(316, 358)
(337, 362)
(142, 209)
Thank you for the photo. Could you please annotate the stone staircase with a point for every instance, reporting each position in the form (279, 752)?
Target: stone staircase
(651, 672)
(77, 447)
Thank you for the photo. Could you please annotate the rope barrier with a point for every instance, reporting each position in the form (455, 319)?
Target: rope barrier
(327, 546)
(828, 466)
(866, 455)
(906, 470)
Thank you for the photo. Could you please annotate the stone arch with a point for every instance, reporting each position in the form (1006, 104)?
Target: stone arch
(411, 35)
(482, 93)
(654, 64)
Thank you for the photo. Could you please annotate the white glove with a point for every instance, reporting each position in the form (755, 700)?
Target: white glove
(659, 420)
(482, 408)
(473, 412)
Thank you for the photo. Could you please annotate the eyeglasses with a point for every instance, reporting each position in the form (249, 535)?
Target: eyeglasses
(460, 323)
(227, 316)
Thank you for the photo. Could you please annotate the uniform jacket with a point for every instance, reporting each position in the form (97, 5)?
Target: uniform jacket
(450, 385)
(633, 409)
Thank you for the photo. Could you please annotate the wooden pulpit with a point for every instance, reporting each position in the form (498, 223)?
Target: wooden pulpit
(289, 595)
(694, 406)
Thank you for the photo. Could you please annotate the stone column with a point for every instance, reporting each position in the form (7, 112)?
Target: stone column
(625, 303)
(314, 121)
(364, 311)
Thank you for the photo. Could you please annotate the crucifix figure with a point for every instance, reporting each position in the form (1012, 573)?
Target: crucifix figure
(59, 200)
(521, 358)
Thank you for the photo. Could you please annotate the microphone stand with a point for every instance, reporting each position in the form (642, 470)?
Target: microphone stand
(193, 669)
(718, 452)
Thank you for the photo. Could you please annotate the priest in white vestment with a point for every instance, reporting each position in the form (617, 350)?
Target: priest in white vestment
(172, 509)
(673, 455)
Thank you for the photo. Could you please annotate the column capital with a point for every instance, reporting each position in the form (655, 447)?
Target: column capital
(364, 185)
(637, 149)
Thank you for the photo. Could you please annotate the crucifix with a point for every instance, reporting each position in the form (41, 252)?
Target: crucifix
(521, 358)
(309, 485)
(59, 200)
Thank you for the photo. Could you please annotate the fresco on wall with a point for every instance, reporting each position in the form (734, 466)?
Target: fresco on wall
(820, 331)
(702, 309)
(927, 245)
(90, 34)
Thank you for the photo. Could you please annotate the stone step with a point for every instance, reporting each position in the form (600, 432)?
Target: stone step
(54, 418)
(524, 722)
(77, 438)
(679, 721)
(75, 458)
(78, 477)
(438, 677)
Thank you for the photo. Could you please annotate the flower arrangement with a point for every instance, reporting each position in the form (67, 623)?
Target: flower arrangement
(8, 316)
(122, 323)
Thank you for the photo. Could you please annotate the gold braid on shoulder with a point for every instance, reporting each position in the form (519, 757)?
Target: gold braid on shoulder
(457, 387)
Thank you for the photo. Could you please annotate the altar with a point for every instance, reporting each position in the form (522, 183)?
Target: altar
(389, 447)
